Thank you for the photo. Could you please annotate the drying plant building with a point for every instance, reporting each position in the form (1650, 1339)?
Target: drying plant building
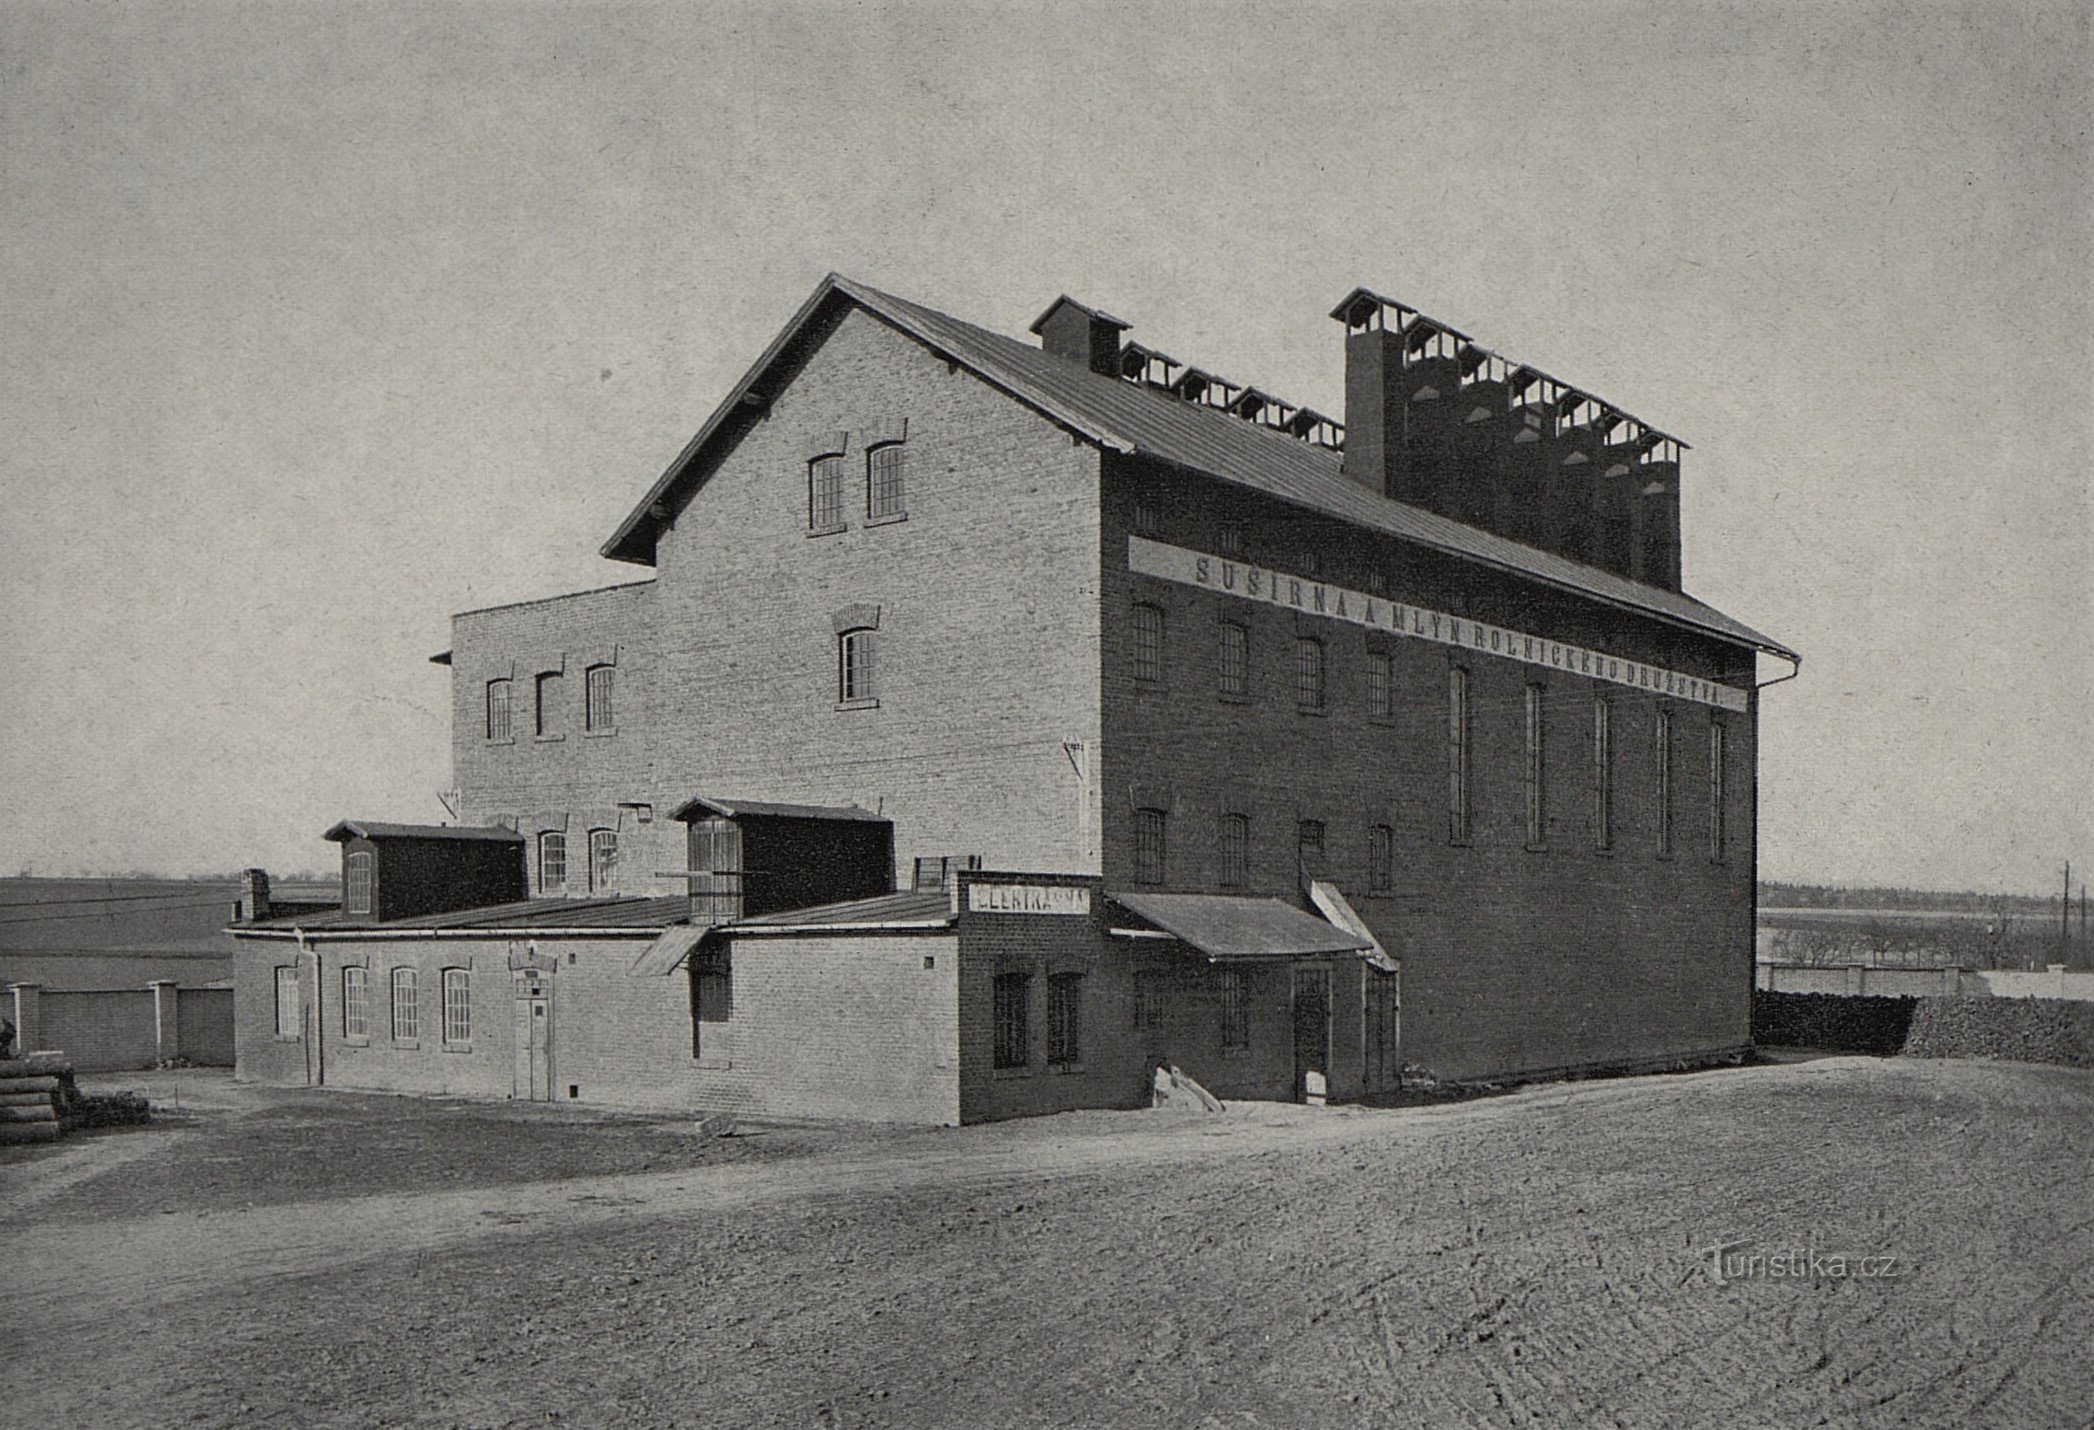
(1001, 719)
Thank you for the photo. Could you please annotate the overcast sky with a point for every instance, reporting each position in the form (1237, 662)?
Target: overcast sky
(319, 324)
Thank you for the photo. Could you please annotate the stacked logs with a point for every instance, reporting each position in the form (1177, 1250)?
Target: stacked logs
(33, 1090)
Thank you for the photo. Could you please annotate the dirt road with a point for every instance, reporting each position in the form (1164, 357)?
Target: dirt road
(1533, 1259)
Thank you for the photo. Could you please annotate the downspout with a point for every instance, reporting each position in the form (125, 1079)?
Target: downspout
(316, 1060)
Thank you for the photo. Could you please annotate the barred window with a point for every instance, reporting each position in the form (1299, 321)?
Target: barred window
(356, 882)
(356, 1002)
(603, 857)
(498, 722)
(883, 480)
(407, 1011)
(825, 493)
(546, 714)
(1716, 790)
(287, 1013)
(1533, 771)
(1146, 521)
(1381, 685)
(1235, 850)
(1381, 859)
(552, 861)
(1235, 659)
(1013, 1027)
(1235, 1009)
(1458, 755)
(1064, 1019)
(458, 1005)
(854, 666)
(1308, 673)
(1663, 760)
(1148, 1000)
(1148, 846)
(1602, 773)
(598, 715)
(1148, 642)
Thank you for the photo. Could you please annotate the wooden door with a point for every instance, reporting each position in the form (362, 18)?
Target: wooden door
(534, 1082)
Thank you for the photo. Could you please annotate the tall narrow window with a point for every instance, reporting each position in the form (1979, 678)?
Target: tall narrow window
(1602, 773)
(1013, 1021)
(1148, 846)
(1534, 770)
(458, 1005)
(712, 990)
(1381, 859)
(356, 882)
(1235, 1009)
(1308, 845)
(825, 493)
(407, 1009)
(1381, 685)
(1232, 538)
(1716, 790)
(1458, 755)
(603, 858)
(1664, 787)
(854, 667)
(1235, 850)
(883, 480)
(1146, 521)
(1148, 642)
(287, 1012)
(1064, 1020)
(499, 726)
(546, 714)
(356, 1001)
(1148, 1000)
(1234, 664)
(598, 714)
(552, 861)
(1308, 673)
(715, 870)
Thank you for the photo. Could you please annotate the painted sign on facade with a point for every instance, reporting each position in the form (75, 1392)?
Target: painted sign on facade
(1280, 588)
(1027, 899)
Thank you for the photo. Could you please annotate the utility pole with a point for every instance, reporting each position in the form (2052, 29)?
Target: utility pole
(2065, 913)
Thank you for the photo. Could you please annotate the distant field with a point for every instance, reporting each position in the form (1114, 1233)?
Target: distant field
(1917, 938)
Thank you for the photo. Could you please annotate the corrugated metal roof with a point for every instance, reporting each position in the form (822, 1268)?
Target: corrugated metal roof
(738, 808)
(908, 907)
(1230, 926)
(373, 829)
(1134, 418)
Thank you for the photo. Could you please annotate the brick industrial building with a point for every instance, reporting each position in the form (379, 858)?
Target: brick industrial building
(1002, 720)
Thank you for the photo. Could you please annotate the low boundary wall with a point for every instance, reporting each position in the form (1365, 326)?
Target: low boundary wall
(118, 1030)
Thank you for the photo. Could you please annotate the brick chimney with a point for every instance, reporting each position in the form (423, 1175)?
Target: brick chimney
(254, 896)
(1070, 330)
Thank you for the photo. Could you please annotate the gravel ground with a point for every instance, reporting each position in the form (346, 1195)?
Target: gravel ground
(1532, 1259)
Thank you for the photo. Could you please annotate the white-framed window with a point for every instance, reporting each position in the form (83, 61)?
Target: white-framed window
(1602, 773)
(603, 858)
(1533, 770)
(499, 726)
(458, 1005)
(1235, 851)
(289, 1023)
(597, 713)
(1381, 859)
(1064, 1019)
(546, 708)
(1148, 642)
(1308, 673)
(1458, 755)
(1717, 791)
(552, 861)
(356, 1001)
(1381, 685)
(854, 666)
(407, 1008)
(1235, 1009)
(884, 467)
(356, 882)
(825, 493)
(1148, 846)
(1234, 659)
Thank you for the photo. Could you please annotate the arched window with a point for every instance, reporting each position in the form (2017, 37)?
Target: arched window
(854, 666)
(458, 1005)
(603, 858)
(1235, 850)
(1148, 846)
(825, 493)
(356, 882)
(597, 712)
(1381, 859)
(552, 861)
(546, 715)
(883, 480)
(1234, 674)
(498, 722)
(1308, 673)
(407, 1008)
(1381, 685)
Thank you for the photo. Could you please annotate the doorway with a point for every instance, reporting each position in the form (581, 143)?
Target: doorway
(1312, 1027)
(534, 1081)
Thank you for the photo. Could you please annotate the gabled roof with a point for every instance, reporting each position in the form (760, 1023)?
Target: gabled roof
(372, 829)
(701, 808)
(1134, 418)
